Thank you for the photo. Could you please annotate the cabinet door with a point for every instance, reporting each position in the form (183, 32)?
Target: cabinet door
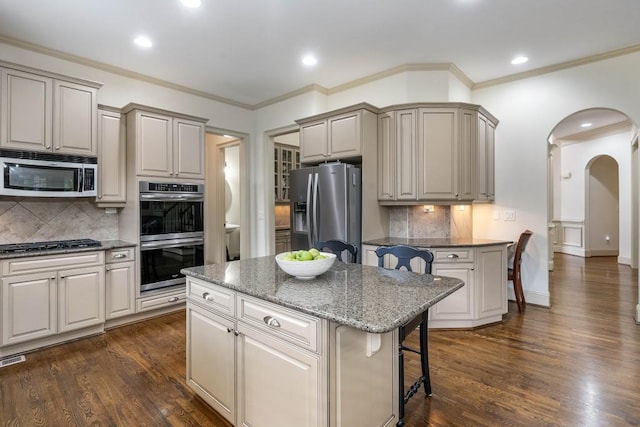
(75, 119)
(29, 307)
(458, 305)
(386, 157)
(80, 298)
(437, 154)
(211, 359)
(120, 291)
(188, 151)
(313, 142)
(27, 104)
(154, 139)
(345, 137)
(467, 149)
(406, 154)
(485, 159)
(278, 383)
(111, 158)
(491, 277)
(369, 256)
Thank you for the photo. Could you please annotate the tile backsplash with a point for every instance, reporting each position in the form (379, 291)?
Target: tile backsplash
(33, 219)
(442, 222)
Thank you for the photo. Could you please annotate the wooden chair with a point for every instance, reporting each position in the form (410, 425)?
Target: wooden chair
(514, 273)
(338, 247)
(405, 254)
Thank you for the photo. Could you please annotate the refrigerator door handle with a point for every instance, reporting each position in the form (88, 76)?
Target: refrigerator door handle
(315, 209)
(309, 187)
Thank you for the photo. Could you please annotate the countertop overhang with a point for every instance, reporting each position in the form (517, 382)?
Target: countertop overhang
(367, 298)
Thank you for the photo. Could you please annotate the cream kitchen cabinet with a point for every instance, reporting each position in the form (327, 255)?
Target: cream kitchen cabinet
(112, 174)
(43, 111)
(239, 347)
(283, 241)
(50, 299)
(485, 159)
(166, 144)
(120, 284)
(428, 153)
(483, 298)
(341, 134)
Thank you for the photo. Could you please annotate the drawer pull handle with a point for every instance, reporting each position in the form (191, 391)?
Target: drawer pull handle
(173, 299)
(118, 256)
(453, 256)
(271, 321)
(207, 296)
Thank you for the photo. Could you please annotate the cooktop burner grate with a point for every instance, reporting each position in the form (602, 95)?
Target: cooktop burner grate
(46, 246)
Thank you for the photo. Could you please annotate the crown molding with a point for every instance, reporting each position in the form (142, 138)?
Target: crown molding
(309, 88)
(118, 70)
(557, 67)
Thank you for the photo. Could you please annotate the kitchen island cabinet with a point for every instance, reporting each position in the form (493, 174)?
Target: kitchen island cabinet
(480, 263)
(296, 346)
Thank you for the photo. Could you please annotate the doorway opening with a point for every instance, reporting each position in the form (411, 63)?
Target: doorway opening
(227, 221)
(592, 197)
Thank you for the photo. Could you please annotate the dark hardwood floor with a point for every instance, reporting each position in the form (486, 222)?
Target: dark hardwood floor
(575, 364)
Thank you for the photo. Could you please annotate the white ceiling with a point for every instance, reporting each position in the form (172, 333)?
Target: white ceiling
(249, 51)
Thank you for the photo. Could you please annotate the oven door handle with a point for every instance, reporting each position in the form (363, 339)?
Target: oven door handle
(161, 244)
(171, 197)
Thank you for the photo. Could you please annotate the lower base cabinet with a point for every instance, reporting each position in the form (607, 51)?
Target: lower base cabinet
(483, 298)
(46, 300)
(261, 365)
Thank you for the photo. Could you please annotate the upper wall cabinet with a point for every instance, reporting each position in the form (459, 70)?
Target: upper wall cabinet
(47, 112)
(432, 152)
(285, 158)
(111, 158)
(166, 144)
(341, 134)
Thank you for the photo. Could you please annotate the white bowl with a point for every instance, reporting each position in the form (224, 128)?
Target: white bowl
(306, 269)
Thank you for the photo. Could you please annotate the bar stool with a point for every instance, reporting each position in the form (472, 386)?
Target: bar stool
(338, 247)
(405, 254)
(514, 274)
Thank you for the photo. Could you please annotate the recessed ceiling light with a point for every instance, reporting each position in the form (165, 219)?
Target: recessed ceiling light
(191, 3)
(309, 60)
(143, 41)
(519, 60)
(586, 125)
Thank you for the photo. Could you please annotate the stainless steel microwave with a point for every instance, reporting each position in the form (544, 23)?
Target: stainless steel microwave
(33, 174)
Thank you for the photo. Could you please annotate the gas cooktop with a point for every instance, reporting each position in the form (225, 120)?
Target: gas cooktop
(46, 246)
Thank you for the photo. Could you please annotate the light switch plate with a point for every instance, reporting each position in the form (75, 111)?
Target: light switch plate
(509, 215)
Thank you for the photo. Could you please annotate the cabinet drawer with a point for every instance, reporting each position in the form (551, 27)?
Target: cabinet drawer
(165, 300)
(50, 262)
(452, 255)
(119, 255)
(210, 295)
(290, 325)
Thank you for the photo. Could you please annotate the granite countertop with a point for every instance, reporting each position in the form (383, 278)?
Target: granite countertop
(367, 298)
(434, 242)
(105, 246)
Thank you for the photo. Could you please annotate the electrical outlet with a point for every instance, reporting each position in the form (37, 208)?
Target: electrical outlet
(509, 215)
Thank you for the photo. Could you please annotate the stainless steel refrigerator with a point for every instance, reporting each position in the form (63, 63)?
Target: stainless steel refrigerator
(326, 205)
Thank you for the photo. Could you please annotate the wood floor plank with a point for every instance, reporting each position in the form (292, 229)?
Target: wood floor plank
(574, 364)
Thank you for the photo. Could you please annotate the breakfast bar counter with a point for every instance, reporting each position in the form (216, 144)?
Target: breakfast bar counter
(265, 348)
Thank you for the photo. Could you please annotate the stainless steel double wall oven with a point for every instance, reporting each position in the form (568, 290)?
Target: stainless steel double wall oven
(171, 232)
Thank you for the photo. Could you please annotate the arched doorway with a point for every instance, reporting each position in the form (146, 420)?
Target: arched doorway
(577, 144)
(602, 205)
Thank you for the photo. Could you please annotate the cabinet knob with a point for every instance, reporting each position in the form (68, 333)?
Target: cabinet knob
(57, 148)
(47, 146)
(236, 333)
(229, 330)
(271, 321)
(207, 296)
(173, 299)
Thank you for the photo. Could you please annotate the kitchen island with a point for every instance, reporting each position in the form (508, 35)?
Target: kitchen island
(265, 348)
